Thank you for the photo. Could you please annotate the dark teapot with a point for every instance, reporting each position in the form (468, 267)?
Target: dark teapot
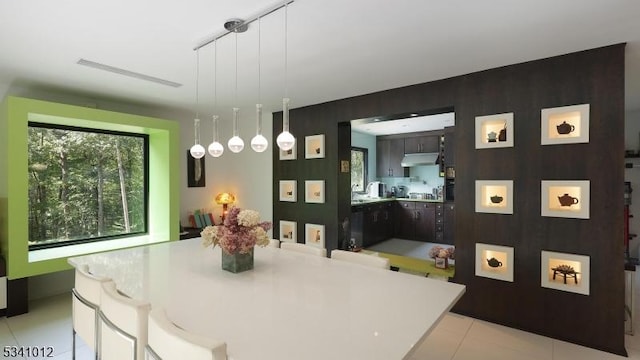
(496, 199)
(565, 128)
(567, 200)
(493, 262)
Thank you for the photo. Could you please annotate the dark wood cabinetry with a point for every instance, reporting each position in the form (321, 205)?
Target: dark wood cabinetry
(389, 154)
(449, 146)
(416, 221)
(449, 218)
(372, 223)
(422, 144)
(439, 236)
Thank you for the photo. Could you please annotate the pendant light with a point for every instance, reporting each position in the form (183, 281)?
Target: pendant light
(259, 143)
(215, 148)
(285, 140)
(197, 150)
(236, 144)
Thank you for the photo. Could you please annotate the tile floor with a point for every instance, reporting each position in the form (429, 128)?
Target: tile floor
(456, 337)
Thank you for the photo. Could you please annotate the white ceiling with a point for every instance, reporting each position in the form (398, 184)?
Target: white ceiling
(336, 48)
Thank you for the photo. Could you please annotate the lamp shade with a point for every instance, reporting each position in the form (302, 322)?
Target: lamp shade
(225, 198)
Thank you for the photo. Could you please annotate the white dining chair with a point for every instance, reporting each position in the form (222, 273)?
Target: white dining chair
(167, 341)
(123, 325)
(361, 258)
(303, 248)
(84, 308)
(274, 243)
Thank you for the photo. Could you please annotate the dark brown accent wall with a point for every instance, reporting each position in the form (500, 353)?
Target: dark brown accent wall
(595, 77)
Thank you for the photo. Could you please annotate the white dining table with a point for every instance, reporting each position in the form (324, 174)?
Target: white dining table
(290, 306)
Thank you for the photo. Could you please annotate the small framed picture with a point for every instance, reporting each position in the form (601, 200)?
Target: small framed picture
(314, 235)
(314, 147)
(288, 231)
(288, 190)
(288, 154)
(314, 191)
(564, 125)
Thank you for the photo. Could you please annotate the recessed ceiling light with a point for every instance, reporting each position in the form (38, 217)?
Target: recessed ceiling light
(412, 115)
(115, 70)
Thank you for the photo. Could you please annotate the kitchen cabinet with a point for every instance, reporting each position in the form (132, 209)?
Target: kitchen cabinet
(439, 217)
(416, 221)
(377, 223)
(449, 223)
(422, 144)
(389, 154)
(449, 146)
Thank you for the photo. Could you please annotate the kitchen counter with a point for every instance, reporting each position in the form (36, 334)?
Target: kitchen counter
(381, 200)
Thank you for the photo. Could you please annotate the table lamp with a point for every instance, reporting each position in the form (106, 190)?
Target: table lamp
(225, 199)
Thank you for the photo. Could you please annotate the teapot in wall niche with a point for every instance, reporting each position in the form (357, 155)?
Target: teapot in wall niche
(493, 262)
(491, 137)
(567, 200)
(565, 128)
(496, 199)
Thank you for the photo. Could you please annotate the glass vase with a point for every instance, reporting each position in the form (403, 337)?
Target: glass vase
(237, 262)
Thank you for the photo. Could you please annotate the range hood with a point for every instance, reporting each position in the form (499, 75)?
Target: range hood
(416, 159)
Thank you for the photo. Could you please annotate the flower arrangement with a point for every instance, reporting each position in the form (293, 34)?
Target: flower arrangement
(240, 232)
(440, 252)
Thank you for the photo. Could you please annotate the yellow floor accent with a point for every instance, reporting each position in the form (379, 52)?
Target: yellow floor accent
(415, 264)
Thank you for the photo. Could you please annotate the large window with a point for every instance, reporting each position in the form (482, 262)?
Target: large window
(359, 164)
(85, 185)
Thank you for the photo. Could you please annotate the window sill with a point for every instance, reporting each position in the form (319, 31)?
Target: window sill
(82, 249)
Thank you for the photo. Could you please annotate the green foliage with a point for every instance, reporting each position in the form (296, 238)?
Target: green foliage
(75, 189)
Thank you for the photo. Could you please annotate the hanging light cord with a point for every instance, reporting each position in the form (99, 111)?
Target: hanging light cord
(197, 125)
(215, 91)
(286, 75)
(259, 37)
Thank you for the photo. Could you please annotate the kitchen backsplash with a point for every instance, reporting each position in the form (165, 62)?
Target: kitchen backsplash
(422, 179)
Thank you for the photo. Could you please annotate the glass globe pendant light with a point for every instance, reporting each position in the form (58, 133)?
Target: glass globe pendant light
(236, 144)
(197, 150)
(215, 148)
(285, 140)
(259, 143)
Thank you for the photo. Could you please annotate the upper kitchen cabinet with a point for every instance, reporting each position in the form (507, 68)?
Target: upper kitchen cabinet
(422, 144)
(389, 154)
(449, 146)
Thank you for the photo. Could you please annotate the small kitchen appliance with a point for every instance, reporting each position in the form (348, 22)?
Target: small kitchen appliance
(376, 189)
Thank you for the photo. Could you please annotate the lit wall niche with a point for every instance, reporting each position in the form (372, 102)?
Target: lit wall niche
(565, 198)
(566, 272)
(494, 196)
(494, 131)
(565, 125)
(494, 261)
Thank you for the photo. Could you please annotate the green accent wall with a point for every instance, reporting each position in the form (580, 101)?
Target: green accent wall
(164, 184)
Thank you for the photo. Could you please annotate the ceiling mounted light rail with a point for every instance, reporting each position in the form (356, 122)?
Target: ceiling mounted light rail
(285, 140)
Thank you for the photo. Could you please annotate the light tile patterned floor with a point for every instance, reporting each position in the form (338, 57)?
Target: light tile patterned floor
(457, 337)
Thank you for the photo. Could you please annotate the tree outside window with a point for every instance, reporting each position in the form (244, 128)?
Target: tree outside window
(359, 165)
(85, 185)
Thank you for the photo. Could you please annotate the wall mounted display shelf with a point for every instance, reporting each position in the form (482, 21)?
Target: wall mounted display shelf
(565, 125)
(566, 272)
(314, 191)
(314, 146)
(494, 131)
(565, 198)
(314, 235)
(288, 190)
(494, 196)
(494, 261)
(288, 154)
(288, 231)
